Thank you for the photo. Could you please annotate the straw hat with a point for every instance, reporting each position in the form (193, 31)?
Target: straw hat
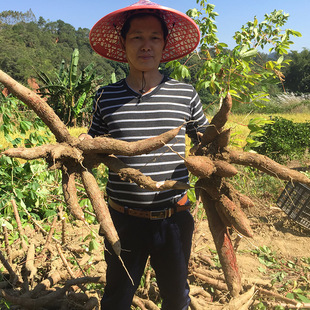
(183, 33)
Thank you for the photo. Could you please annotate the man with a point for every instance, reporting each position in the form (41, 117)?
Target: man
(146, 104)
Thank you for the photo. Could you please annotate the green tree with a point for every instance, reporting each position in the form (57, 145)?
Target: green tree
(31, 184)
(238, 71)
(297, 74)
(27, 46)
(14, 17)
(282, 139)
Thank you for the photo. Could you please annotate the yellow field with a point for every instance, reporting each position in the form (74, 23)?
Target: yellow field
(75, 132)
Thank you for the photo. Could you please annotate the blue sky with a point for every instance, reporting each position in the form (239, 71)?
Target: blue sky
(232, 14)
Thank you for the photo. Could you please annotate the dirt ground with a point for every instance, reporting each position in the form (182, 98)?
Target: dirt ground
(272, 228)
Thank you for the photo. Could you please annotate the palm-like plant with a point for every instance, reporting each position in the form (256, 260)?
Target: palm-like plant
(71, 93)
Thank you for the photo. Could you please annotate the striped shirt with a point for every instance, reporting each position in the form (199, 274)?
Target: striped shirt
(121, 113)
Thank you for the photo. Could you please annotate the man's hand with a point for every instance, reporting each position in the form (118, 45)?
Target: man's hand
(85, 136)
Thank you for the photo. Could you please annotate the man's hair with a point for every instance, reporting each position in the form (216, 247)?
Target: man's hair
(127, 23)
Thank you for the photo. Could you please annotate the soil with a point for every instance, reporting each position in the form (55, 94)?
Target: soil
(272, 228)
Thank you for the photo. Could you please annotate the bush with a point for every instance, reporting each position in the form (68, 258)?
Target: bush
(284, 140)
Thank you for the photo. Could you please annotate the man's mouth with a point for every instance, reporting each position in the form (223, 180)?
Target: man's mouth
(145, 56)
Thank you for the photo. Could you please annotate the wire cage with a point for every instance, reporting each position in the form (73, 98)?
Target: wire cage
(295, 202)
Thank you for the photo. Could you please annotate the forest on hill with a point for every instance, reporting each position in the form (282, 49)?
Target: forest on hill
(30, 45)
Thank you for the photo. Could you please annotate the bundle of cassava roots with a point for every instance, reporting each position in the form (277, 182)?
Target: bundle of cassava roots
(211, 161)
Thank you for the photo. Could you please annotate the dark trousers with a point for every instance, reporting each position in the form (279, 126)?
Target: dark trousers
(167, 241)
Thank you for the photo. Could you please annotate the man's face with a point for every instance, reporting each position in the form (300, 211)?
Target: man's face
(144, 43)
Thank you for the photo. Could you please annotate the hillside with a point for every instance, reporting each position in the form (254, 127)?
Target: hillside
(28, 46)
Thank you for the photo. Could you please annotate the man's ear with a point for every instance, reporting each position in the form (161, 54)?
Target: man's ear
(122, 42)
(165, 44)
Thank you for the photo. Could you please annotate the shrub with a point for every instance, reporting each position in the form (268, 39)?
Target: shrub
(284, 140)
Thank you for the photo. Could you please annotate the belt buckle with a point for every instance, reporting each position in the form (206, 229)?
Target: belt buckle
(158, 215)
(161, 214)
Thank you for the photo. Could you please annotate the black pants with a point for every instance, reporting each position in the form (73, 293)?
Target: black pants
(168, 242)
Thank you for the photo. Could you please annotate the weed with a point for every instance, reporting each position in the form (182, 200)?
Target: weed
(252, 183)
(279, 103)
(93, 244)
(289, 277)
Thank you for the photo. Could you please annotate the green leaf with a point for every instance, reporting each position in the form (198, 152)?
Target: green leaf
(265, 262)
(93, 245)
(79, 104)
(255, 21)
(261, 269)
(16, 141)
(19, 193)
(113, 78)
(184, 72)
(295, 33)
(191, 195)
(24, 126)
(243, 50)
(249, 53)
(5, 223)
(280, 60)
(290, 295)
(205, 84)
(192, 13)
(302, 298)
(223, 45)
(73, 67)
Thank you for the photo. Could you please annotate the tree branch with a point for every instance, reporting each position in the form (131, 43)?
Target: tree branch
(264, 164)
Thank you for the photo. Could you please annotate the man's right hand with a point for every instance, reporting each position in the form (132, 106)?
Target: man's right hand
(85, 136)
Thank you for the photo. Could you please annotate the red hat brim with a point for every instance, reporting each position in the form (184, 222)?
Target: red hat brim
(183, 32)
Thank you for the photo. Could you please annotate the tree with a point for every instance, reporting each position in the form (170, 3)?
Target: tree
(14, 17)
(297, 75)
(237, 71)
(28, 46)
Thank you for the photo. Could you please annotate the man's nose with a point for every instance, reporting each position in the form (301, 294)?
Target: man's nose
(146, 46)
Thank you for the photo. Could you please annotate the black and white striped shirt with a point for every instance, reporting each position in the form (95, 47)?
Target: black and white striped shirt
(124, 114)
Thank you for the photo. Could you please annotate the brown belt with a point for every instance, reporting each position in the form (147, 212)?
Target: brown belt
(152, 215)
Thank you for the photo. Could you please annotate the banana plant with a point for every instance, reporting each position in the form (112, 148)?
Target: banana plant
(70, 94)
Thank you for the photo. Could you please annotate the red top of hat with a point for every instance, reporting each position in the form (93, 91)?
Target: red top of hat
(183, 32)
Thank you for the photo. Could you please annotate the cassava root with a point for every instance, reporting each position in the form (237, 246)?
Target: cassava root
(214, 159)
